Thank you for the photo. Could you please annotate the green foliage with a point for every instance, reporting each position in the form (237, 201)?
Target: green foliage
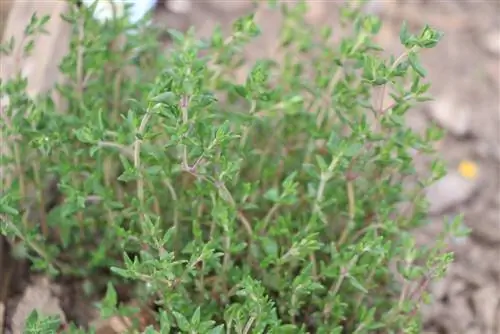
(37, 323)
(268, 206)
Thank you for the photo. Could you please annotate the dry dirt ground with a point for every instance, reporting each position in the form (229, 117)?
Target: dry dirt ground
(465, 74)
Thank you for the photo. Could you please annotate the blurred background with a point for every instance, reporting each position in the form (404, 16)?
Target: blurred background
(464, 70)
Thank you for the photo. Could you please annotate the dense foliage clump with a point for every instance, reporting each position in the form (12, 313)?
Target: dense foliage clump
(269, 206)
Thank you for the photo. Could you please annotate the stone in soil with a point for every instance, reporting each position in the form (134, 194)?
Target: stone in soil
(450, 191)
(491, 42)
(451, 116)
(486, 302)
(179, 6)
(40, 297)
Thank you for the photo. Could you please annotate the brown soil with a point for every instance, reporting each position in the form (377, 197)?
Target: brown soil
(466, 67)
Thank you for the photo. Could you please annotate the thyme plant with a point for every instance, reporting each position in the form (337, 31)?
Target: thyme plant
(268, 206)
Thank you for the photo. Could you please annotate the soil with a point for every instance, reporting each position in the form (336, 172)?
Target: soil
(465, 74)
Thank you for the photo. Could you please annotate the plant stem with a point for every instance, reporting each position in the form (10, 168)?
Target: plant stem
(79, 61)
(137, 155)
(334, 289)
(248, 325)
(185, 119)
(125, 150)
(352, 212)
(41, 199)
(324, 178)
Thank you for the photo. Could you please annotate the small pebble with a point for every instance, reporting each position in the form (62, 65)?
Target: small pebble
(104, 8)
(488, 150)
(451, 116)
(37, 297)
(488, 227)
(179, 6)
(492, 41)
(485, 301)
(453, 189)
(230, 7)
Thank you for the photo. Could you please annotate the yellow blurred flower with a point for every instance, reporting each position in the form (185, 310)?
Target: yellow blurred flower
(468, 169)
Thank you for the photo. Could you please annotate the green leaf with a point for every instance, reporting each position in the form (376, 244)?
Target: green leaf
(240, 90)
(355, 283)
(109, 302)
(429, 37)
(165, 325)
(37, 323)
(181, 321)
(6, 209)
(404, 34)
(270, 247)
(353, 149)
(415, 64)
(154, 170)
(168, 98)
(323, 166)
(195, 319)
(272, 195)
(177, 36)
